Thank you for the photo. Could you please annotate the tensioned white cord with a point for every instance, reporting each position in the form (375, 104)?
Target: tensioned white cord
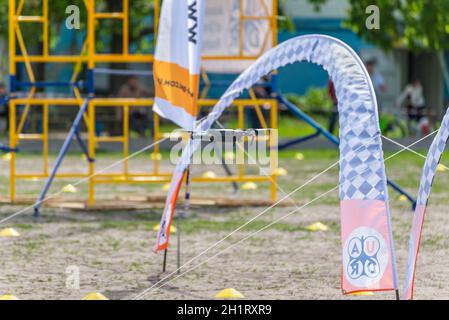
(153, 287)
(83, 180)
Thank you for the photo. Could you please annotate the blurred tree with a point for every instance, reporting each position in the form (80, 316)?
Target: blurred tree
(417, 25)
(139, 10)
(108, 33)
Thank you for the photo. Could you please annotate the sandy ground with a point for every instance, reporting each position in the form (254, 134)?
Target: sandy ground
(113, 250)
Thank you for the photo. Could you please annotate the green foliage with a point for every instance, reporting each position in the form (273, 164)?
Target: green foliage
(139, 9)
(316, 100)
(418, 25)
(285, 22)
(317, 3)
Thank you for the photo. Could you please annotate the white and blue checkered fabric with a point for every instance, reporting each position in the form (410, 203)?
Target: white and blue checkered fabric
(433, 159)
(362, 171)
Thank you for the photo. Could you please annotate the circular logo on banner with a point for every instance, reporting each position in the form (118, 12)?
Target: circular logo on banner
(365, 257)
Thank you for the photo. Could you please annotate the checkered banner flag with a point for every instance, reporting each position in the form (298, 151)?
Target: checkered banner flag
(430, 167)
(368, 255)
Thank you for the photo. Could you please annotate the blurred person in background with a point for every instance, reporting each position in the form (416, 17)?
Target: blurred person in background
(262, 90)
(415, 103)
(140, 118)
(334, 115)
(4, 108)
(377, 79)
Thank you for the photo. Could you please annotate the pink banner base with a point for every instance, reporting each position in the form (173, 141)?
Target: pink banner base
(367, 261)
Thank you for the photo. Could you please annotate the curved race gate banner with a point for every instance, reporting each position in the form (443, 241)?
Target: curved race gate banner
(430, 167)
(367, 244)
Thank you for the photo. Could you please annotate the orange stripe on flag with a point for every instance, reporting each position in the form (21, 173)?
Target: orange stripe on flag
(176, 85)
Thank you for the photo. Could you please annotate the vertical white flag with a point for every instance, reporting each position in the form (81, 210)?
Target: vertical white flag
(178, 61)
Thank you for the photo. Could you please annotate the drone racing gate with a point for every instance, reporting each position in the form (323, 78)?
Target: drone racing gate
(25, 97)
(226, 51)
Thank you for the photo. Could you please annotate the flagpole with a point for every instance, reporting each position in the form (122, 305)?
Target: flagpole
(184, 214)
(164, 264)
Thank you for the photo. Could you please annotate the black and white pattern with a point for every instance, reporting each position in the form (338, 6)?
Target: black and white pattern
(433, 159)
(362, 174)
(362, 171)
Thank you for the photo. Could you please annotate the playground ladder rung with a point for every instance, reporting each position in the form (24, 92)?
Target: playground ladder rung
(110, 139)
(109, 15)
(30, 19)
(31, 136)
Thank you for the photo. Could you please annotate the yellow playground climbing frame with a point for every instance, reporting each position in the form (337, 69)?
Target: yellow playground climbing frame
(20, 106)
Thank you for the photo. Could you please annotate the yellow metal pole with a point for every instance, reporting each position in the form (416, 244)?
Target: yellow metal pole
(274, 23)
(76, 71)
(23, 48)
(91, 146)
(20, 7)
(12, 143)
(126, 139)
(126, 27)
(45, 138)
(157, 9)
(258, 109)
(12, 38)
(45, 27)
(25, 112)
(91, 33)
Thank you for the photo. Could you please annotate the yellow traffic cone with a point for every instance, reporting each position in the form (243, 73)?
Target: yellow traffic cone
(249, 186)
(172, 228)
(8, 297)
(229, 293)
(317, 226)
(209, 175)
(7, 156)
(299, 156)
(9, 233)
(95, 296)
(70, 189)
(230, 156)
(280, 172)
(362, 293)
(156, 156)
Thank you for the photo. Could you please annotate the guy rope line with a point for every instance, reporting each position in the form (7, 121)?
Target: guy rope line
(411, 150)
(84, 179)
(287, 196)
(154, 286)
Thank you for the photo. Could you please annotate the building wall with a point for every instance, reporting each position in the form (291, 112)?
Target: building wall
(332, 9)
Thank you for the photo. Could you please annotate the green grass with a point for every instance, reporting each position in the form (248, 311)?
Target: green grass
(290, 127)
(404, 169)
(194, 225)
